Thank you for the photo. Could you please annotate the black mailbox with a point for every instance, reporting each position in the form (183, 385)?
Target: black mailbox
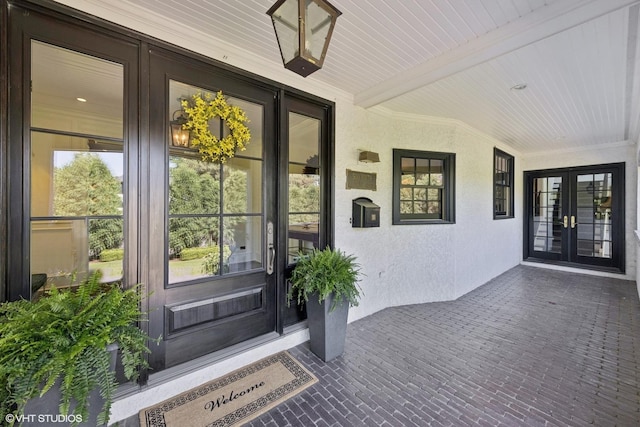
(365, 213)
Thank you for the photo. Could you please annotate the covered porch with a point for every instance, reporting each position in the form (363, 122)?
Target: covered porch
(532, 347)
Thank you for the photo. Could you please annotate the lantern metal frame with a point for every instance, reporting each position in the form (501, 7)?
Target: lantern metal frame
(180, 137)
(304, 63)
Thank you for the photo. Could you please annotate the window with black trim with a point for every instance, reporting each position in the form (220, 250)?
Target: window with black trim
(423, 187)
(502, 184)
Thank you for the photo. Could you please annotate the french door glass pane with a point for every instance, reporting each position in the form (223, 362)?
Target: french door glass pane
(304, 184)
(76, 182)
(547, 215)
(593, 198)
(215, 209)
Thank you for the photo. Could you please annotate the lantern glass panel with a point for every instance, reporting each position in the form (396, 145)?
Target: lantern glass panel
(317, 26)
(285, 23)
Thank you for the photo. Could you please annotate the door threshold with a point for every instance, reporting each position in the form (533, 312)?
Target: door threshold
(574, 268)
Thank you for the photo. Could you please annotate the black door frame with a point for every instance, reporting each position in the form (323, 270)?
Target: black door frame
(569, 255)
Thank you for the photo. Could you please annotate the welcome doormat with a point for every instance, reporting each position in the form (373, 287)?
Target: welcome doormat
(235, 398)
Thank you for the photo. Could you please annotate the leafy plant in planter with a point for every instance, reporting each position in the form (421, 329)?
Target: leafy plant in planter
(64, 336)
(327, 281)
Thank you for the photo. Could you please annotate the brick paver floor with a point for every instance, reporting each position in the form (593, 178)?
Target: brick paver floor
(533, 347)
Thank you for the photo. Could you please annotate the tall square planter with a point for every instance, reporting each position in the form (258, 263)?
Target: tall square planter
(327, 329)
(45, 410)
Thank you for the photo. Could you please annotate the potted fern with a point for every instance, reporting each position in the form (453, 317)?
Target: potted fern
(60, 347)
(327, 281)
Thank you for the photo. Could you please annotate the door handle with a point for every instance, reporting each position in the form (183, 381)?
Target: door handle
(271, 249)
(565, 221)
(573, 221)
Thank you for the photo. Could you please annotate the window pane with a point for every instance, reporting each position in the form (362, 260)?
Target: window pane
(76, 183)
(303, 234)
(179, 91)
(54, 97)
(71, 177)
(422, 171)
(191, 240)
(304, 185)
(243, 239)
(406, 194)
(408, 171)
(242, 186)
(194, 186)
(406, 207)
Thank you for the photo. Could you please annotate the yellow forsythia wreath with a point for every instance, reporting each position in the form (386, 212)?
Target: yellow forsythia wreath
(202, 108)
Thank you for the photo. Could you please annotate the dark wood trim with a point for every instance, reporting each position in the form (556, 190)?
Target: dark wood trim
(512, 167)
(4, 178)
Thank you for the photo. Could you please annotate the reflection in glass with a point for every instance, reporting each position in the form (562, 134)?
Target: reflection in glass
(194, 186)
(547, 213)
(76, 183)
(54, 96)
(179, 91)
(593, 195)
(215, 210)
(194, 247)
(242, 186)
(304, 184)
(303, 234)
(243, 241)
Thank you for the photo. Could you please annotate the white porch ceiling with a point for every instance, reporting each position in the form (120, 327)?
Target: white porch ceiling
(459, 58)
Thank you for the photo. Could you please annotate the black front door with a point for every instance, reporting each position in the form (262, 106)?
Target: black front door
(576, 216)
(212, 253)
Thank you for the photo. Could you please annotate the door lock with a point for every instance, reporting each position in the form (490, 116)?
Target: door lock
(573, 221)
(565, 221)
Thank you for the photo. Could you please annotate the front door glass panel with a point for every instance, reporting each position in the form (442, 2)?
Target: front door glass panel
(215, 209)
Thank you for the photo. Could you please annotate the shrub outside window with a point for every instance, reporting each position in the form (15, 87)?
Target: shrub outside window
(423, 187)
(502, 184)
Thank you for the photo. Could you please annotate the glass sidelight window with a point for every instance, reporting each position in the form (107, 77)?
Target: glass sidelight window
(76, 167)
(215, 217)
(304, 184)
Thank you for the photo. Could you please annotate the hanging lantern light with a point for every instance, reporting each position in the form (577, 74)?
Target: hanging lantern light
(303, 29)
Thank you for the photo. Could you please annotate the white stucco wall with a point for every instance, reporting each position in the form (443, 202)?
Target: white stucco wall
(613, 153)
(409, 264)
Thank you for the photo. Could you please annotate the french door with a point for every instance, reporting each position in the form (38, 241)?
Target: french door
(576, 216)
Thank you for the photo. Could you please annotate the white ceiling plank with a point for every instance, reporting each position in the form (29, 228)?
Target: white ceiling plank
(556, 17)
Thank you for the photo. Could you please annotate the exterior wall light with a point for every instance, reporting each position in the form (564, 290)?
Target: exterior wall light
(179, 136)
(303, 30)
(368, 157)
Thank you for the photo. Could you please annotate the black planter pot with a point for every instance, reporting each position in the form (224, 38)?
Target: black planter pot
(327, 329)
(45, 410)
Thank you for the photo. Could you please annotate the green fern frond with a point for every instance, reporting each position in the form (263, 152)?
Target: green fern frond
(326, 272)
(64, 336)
